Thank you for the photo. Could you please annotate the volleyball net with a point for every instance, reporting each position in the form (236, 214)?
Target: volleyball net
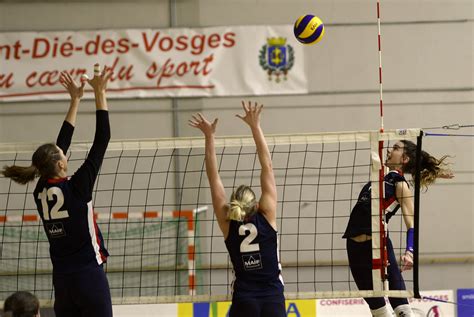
(152, 203)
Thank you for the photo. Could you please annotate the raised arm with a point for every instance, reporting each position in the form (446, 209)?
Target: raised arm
(219, 199)
(84, 179)
(99, 84)
(405, 198)
(67, 129)
(268, 200)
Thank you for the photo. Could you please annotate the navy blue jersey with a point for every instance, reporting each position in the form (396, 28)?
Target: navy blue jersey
(65, 206)
(360, 219)
(253, 250)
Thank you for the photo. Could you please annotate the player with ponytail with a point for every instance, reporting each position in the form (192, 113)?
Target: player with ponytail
(400, 160)
(248, 226)
(77, 249)
(44, 163)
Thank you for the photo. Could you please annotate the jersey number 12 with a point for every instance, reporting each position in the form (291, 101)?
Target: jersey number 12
(54, 213)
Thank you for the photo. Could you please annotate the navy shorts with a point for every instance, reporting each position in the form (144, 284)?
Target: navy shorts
(258, 307)
(82, 294)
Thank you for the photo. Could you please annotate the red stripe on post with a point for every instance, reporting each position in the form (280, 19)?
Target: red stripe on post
(376, 264)
(192, 282)
(189, 214)
(191, 252)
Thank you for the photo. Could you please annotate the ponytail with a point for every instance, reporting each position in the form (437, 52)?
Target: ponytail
(236, 211)
(431, 167)
(20, 174)
(242, 203)
(43, 164)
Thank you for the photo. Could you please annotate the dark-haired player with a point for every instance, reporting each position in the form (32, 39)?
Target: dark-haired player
(64, 203)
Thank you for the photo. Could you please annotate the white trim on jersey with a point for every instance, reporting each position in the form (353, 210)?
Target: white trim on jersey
(92, 232)
(390, 208)
(280, 276)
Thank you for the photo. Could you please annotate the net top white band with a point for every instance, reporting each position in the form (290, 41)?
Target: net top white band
(230, 141)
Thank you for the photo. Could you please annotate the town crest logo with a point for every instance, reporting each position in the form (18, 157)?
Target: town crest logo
(276, 58)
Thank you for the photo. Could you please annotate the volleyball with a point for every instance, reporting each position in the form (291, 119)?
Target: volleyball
(309, 29)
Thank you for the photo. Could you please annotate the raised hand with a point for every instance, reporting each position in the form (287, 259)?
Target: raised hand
(100, 80)
(75, 91)
(200, 122)
(252, 113)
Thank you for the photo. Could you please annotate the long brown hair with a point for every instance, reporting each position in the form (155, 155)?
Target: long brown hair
(43, 163)
(431, 167)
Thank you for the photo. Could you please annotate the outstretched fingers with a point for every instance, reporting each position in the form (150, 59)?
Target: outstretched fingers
(195, 121)
(65, 79)
(245, 106)
(252, 112)
(64, 82)
(75, 90)
(200, 122)
(107, 74)
(100, 80)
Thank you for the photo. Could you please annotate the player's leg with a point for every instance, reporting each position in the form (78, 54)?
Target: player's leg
(93, 293)
(396, 282)
(244, 307)
(360, 263)
(273, 306)
(64, 304)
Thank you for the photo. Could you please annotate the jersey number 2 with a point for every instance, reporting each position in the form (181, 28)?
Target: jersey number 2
(54, 213)
(246, 245)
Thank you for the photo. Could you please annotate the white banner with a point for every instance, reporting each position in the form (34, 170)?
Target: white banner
(433, 304)
(218, 61)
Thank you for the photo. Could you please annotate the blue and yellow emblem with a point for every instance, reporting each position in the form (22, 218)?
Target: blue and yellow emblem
(276, 58)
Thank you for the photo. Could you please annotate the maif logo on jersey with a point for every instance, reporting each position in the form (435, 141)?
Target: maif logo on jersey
(252, 261)
(56, 230)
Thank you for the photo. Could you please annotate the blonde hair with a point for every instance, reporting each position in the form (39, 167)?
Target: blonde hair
(242, 203)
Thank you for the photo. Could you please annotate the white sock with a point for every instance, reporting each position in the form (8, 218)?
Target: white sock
(404, 311)
(381, 312)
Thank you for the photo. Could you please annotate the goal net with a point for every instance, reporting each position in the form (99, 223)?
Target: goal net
(152, 203)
